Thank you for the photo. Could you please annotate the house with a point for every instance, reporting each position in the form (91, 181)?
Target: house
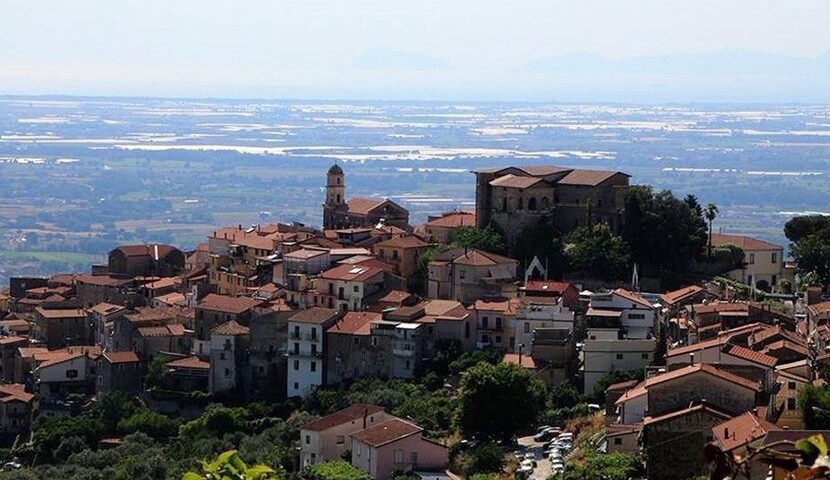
(607, 350)
(689, 295)
(566, 291)
(119, 372)
(345, 287)
(783, 402)
(441, 229)
(763, 261)
(15, 410)
(402, 252)
(214, 310)
(146, 260)
(228, 355)
(127, 333)
(468, 274)
(306, 349)
(677, 389)
(339, 213)
(187, 374)
(407, 350)
(495, 320)
(623, 309)
(267, 357)
(735, 437)
(727, 353)
(102, 318)
(328, 438)
(352, 351)
(9, 346)
(673, 443)
(60, 327)
(95, 289)
(623, 438)
(534, 313)
(395, 445)
(304, 262)
(514, 199)
(150, 341)
(65, 372)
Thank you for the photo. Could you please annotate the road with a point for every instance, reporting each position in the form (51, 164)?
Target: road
(543, 466)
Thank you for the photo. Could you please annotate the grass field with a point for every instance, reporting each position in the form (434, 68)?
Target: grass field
(69, 257)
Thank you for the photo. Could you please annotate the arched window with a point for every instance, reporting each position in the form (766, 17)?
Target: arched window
(338, 198)
(545, 203)
(520, 205)
(531, 204)
(338, 180)
(503, 204)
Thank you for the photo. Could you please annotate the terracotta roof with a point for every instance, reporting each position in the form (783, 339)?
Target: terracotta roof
(346, 415)
(169, 330)
(102, 280)
(514, 181)
(305, 254)
(314, 315)
(633, 297)
(741, 430)
(643, 386)
(231, 328)
(409, 241)
(60, 313)
(626, 385)
(444, 308)
(148, 315)
(15, 392)
(541, 170)
(362, 205)
(746, 243)
(394, 296)
(504, 305)
(189, 362)
(166, 282)
(819, 308)
(173, 298)
(547, 286)
(227, 304)
(527, 361)
(386, 432)
(59, 357)
(63, 279)
(681, 294)
(155, 251)
(474, 257)
(786, 345)
(751, 355)
(454, 220)
(588, 177)
(599, 312)
(355, 323)
(105, 308)
(121, 357)
(702, 407)
(351, 273)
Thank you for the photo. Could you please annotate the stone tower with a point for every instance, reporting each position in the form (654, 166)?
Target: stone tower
(335, 208)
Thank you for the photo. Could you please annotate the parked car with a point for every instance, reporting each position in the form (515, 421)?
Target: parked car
(558, 468)
(528, 463)
(530, 456)
(545, 435)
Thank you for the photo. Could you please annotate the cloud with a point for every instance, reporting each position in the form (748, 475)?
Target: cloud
(383, 59)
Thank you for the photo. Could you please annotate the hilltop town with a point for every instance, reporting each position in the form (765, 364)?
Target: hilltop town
(571, 325)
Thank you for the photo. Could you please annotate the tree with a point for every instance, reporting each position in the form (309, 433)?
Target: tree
(812, 253)
(228, 466)
(487, 239)
(814, 406)
(711, 214)
(804, 226)
(595, 251)
(611, 378)
(499, 401)
(486, 458)
(609, 466)
(338, 470)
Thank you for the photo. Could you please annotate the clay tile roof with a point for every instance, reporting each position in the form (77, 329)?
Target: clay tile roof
(314, 315)
(13, 339)
(121, 357)
(60, 312)
(513, 181)
(642, 387)
(346, 415)
(741, 430)
(102, 280)
(476, 257)
(444, 308)
(632, 296)
(547, 286)
(231, 328)
(527, 361)
(189, 362)
(787, 345)
(355, 323)
(751, 355)
(454, 220)
(504, 305)
(819, 308)
(702, 407)
(675, 296)
(588, 177)
(541, 170)
(362, 205)
(15, 392)
(156, 251)
(386, 432)
(304, 254)
(746, 243)
(227, 304)
(409, 241)
(166, 282)
(105, 308)
(257, 242)
(351, 273)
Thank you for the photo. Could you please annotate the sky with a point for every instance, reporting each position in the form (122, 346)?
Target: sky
(541, 50)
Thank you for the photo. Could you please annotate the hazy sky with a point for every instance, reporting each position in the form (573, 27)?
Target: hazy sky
(392, 49)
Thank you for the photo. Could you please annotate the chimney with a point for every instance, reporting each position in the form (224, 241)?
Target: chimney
(691, 358)
(726, 432)
(240, 226)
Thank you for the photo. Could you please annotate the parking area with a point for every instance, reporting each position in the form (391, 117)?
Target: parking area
(543, 466)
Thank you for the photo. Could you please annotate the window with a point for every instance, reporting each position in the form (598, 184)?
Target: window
(504, 204)
(296, 386)
(527, 327)
(296, 366)
(307, 439)
(413, 457)
(227, 372)
(314, 333)
(341, 440)
(498, 339)
(394, 254)
(751, 258)
(374, 341)
(71, 374)
(791, 386)
(313, 348)
(313, 366)
(619, 356)
(618, 441)
(520, 204)
(791, 404)
(636, 316)
(398, 456)
(774, 257)
(531, 204)
(407, 365)
(461, 274)
(498, 323)
(644, 356)
(296, 331)
(485, 322)
(296, 348)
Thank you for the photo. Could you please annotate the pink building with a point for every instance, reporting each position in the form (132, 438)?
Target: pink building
(328, 438)
(395, 445)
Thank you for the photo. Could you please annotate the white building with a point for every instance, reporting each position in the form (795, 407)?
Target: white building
(606, 350)
(306, 341)
(625, 309)
(539, 312)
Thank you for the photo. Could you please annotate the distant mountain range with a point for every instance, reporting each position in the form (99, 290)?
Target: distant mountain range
(723, 62)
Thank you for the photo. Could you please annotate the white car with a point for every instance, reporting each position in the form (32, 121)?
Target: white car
(530, 456)
(529, 463)
(524, 470)
(557, 469)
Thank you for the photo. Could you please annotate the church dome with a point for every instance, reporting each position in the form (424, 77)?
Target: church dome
(335, 170)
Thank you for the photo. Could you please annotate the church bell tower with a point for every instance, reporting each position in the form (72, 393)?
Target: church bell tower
(335, 209)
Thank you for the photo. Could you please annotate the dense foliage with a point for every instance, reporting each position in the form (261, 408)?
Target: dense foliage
(810, 246)
(339, 470)
(486, 239)
(229, 466)
(595, 251)
(814, 406)
(611, 466)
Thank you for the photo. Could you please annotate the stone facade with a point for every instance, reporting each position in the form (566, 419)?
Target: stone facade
(338, 213)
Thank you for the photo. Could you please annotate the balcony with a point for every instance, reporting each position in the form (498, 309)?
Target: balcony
(302, 354)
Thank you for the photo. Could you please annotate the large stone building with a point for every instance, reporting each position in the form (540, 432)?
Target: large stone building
(338, 213)
(515, 198)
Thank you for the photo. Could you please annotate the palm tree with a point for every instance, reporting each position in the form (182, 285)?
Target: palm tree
(710, 213)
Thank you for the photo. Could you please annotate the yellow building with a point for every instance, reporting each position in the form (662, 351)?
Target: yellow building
(403, 252)
(763, 262)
